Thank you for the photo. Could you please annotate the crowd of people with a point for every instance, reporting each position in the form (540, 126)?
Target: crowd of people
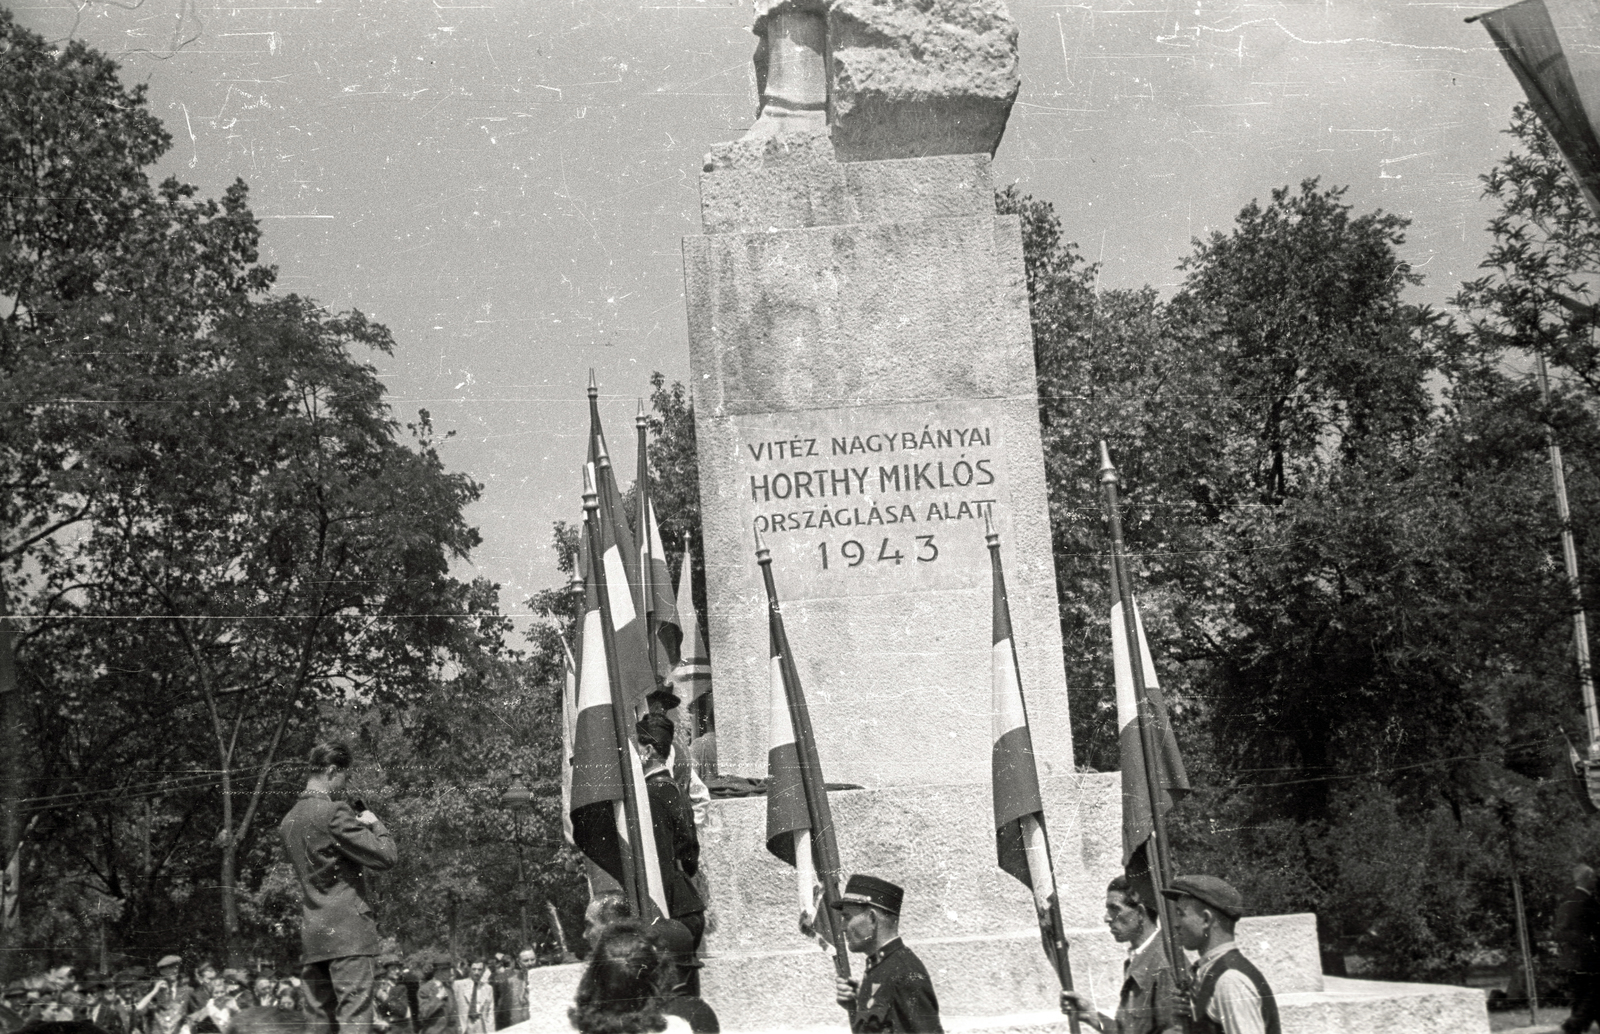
(641, 976)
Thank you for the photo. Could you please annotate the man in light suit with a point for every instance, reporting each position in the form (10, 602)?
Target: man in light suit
(474, 1001)
(330, 846)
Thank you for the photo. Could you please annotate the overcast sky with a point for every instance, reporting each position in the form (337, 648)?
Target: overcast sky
(506, 183)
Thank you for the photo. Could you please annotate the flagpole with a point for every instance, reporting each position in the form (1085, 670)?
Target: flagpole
(1160, 871)
(647, 554)
(824, 842)
(633, 862)
(1059, 958)
(1569, 553)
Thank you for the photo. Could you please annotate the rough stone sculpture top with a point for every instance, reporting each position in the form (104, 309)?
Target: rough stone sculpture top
(867, 80)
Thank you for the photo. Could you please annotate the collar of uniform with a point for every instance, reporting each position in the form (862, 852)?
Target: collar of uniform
(318, 794)
(888, 949)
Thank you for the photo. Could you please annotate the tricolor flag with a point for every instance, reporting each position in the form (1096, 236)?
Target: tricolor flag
(661, 612)
(617, 547)
(1138, 825)
(788, 820)
(692, 676)
(607, 778)
(1553, 48)
(569, 730)
(1021, 842)
(799, 820)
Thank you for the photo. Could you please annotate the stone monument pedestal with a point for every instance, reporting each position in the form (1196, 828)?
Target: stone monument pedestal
(864, 391)
(977, 935)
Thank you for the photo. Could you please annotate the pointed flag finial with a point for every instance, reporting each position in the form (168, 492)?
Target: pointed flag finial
(575, 580)
(594, 389)
(591, 498)
(990, 536)
(763, 554)
(1108, 470)
(601, 457)
(640, 420)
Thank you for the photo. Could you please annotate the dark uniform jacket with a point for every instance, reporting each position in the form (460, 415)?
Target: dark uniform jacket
(329, 850)
(896, 994)
(1578, 931)
(677, 844)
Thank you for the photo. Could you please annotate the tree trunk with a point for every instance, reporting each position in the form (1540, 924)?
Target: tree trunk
(228, 881)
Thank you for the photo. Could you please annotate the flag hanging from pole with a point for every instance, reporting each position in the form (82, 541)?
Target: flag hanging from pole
(788, 819)
(692, 676)
(621, 560)
(799, 820)
(1553, 48)
(1022, 844)
(1137, 823)
(569, 728)
(597, 807)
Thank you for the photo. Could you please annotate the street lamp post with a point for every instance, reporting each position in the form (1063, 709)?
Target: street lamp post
(518, 799)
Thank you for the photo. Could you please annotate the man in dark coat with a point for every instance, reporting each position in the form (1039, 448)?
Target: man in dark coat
(330, 847)
(677, 844)
(1578, 934)
(895, 993)
(434, 996)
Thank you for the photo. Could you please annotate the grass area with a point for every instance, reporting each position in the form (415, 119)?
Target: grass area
(1517, 1019)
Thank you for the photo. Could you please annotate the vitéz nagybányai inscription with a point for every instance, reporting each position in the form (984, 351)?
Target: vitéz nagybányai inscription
(865, 500)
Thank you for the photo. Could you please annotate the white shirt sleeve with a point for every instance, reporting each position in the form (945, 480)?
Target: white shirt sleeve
(1236, 1005)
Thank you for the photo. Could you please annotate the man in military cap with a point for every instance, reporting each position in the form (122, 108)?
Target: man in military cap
(1229, 996)
(895, 993)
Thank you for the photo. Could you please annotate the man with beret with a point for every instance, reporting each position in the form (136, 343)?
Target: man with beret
(332, 846)
(1229, 996)
(895, 993)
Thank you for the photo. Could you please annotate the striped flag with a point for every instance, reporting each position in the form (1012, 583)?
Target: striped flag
(600, 801)
(692, 676)
(569, 729)
(1553, 48)
(1137, 823)
(1021, 842)
(661, 611)
(788, 819)
(799, 821)
(621, 561)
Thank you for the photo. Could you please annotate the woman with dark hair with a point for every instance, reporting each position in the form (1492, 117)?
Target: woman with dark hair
(620, 992)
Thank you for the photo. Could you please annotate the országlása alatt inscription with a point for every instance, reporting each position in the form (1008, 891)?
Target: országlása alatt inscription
(868, 500)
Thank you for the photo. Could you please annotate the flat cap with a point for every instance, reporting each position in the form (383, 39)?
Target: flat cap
(170, 960)
(1212, 890)
(673, 938)
(870, 890)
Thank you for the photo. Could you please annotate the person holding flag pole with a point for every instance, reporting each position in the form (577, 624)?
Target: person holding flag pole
(1152, 771)
(608, 800)
(1021, 841)
(800, 827)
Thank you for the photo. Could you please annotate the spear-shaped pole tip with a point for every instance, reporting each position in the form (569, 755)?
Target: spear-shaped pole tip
(575, 580)
(640, 420)
(601, 457)
(594, 389)
(1108, 470)
(763, 554)
(990, 536)
(591, 498)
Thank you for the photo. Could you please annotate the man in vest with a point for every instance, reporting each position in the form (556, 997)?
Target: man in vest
(1230, 996)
